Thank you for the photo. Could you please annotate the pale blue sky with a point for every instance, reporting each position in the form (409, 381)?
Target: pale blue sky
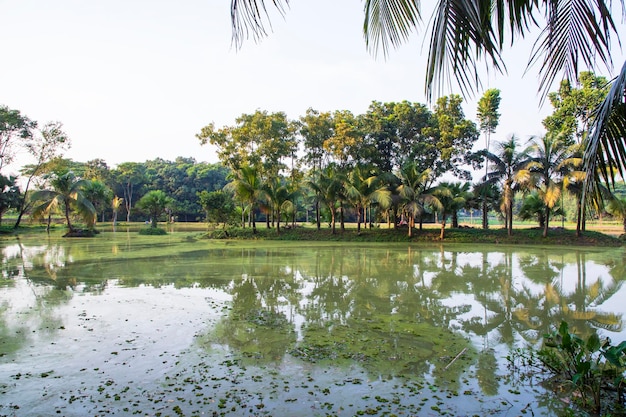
(136, 80)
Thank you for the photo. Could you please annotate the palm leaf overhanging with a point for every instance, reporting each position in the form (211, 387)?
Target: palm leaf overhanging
(465, 33)
(605, 154)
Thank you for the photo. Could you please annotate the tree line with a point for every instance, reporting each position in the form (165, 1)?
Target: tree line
(399, 163)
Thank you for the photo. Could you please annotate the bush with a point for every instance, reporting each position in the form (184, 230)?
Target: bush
(152, 231)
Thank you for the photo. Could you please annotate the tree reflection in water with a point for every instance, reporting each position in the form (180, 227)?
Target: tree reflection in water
(396, 311)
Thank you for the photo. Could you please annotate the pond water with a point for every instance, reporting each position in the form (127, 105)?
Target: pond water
(177, 326)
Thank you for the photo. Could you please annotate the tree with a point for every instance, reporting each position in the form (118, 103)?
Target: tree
(346, 140)
(217, 205)
(534, 207)
(450, 198)
(247, 186)
(67, 195)
(130, 177)
(463, 33)
(14, 127)
(10, 195)
(99, 194)
(362, 188)
(44, 146)
(548, 154)
(451, 139)
(329, 187)
(315, 129)
(260, 139)
(508, 168)
(413, 191)
(116, 203)
(155, 202)
(487, 113)
(574, 106)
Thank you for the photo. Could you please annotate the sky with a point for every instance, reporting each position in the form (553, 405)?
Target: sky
(137, 80)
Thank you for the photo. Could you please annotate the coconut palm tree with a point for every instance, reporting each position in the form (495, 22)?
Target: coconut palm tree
(67, 195)
(573, 34)
(549, 153)
(507, 166)
(450, 198)
(414, 192)
(362, 188)
(155, 202)
(116, 203)
(330, 183)
(279, 196)
(247, 186)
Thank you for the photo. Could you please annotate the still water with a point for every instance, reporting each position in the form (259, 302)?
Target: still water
(178, 326)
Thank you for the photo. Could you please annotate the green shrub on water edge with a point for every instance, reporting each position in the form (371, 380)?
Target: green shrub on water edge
(152, 231)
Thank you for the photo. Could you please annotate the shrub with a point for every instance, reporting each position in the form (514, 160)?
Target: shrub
(152, 231)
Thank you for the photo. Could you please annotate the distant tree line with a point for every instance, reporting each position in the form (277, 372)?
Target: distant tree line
(399, 163)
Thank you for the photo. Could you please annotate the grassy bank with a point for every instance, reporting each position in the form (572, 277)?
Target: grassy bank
(526, 236)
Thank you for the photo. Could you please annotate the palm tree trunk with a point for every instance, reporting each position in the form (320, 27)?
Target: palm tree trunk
(443, 228)
(579, 216)
(485, 214)
(547, 221)
(67, 216)
(317, 215)
(341, 219)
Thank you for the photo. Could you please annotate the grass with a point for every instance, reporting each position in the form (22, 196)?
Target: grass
(597, 233)
(520, 236)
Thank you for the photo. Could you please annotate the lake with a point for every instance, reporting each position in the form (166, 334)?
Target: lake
(174, 325)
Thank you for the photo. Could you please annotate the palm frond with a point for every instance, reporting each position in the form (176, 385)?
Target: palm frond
(388, 23)
(462, 34)
(577, 32)
(605, 152)
(250, 18)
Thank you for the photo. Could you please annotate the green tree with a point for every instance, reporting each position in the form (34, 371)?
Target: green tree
(452, 138)
(534, 207)
(247, 186)
(315, 129)
(67, 194)
(362, 188)
(328, 185)
(155, 202)
(487, 113)
(116, 204)
(508, 167)
(218, 205)
(463, 33)
(260, 139)
(347, 139)
(99, 194)
(44, 146)
(130, 178)
(548, 154)
(14, 128)
(414, 191)
(449, 199)
(574, 106)
(10, 195)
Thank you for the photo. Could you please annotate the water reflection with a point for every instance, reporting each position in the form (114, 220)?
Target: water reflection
(394, 311)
